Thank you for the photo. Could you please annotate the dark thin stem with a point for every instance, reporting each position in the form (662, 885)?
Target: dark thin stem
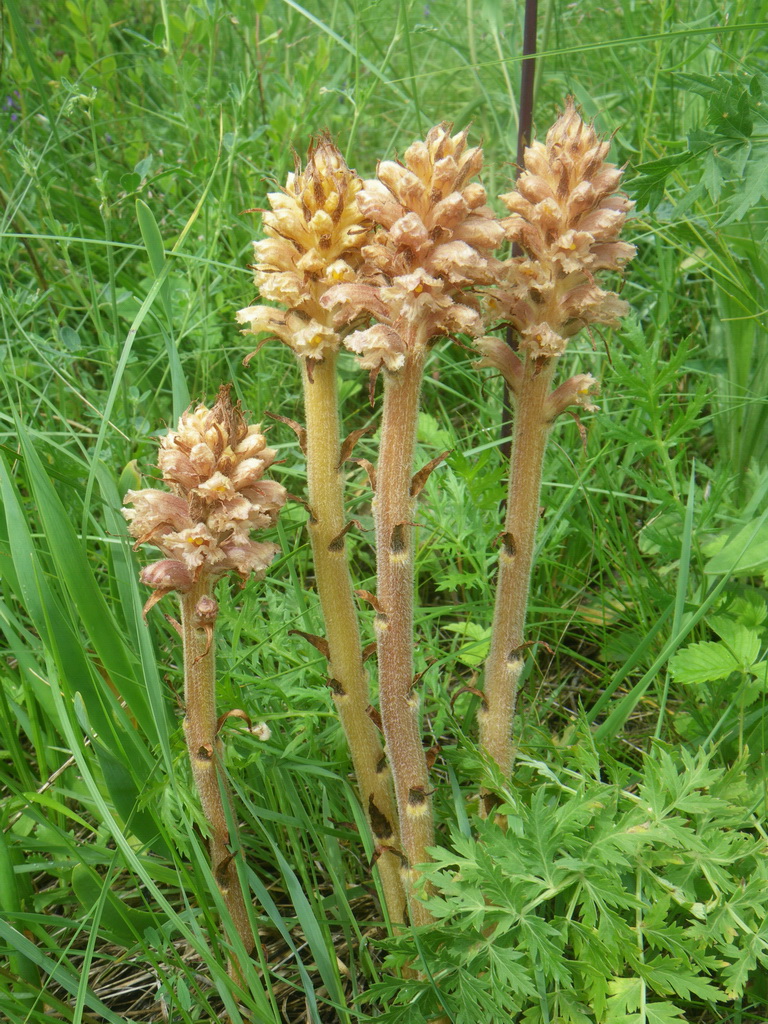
(527, 78)
(524, 126)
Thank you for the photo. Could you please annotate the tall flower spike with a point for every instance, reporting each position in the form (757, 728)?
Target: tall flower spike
(431, 249)
(315, 233)
(214, 464)
(430, 252)
(565, 218)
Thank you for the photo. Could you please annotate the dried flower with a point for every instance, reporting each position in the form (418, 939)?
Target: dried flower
(213, 462)
(315, 233)
(430, 251)
(565, 216)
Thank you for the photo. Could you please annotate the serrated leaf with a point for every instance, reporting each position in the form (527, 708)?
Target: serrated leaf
(667, 975)
(432, 433)
(662, 1013)
(748, 606)
(650, 181)
(712, 177)
(625, 994)
(703, 663)
(730, 111)
(742, 641)
(702, 85)
(752, 188)
(477, 641)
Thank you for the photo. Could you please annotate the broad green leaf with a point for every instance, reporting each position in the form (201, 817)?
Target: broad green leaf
(662, 1013)
(744, 642)
(703, 662)
(477, 640)
(625, 994)
(432, 433)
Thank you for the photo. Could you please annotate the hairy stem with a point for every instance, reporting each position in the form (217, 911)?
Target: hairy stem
(349, 681)
(505, 658)
(205, 753)
(394, 513)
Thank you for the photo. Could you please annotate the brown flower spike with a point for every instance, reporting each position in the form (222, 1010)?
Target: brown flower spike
(431, 249)
(315, 233)
(430, 252)
(214, 463)
(565, 217)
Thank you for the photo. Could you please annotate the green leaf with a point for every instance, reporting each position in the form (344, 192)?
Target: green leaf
(153, 242)
(753, 186)
(124, 925)
(745, 552)
(703, 662)
(626, 994)
(432, 433)
(650, 181)
(662, 1013)
(76, 575)
(474, 650)
(741, 640)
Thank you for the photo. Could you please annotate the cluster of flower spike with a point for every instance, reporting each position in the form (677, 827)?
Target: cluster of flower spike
(213, 463)
(566, 217)
(315, 231)
(430, 251)
(412, 249)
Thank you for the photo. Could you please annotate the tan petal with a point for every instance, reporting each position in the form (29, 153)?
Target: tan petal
(541, 342)
(217, 487)
(458, 263)
(193, 547)
(252, 443)
(377, 346)
(578, 390)
(378, 204)
(245, 556)
(498, 355)
(177, 468)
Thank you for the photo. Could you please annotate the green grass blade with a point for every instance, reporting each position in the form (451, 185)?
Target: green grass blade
(153, 242)
(681, 591)
(76, 576)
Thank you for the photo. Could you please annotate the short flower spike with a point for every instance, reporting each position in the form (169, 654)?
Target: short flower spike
(214, 464)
